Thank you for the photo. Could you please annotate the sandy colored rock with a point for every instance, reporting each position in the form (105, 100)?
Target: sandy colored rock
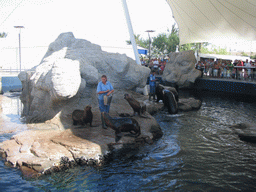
(189, 104)
(181, 69)
(47, 150)
(68, 75)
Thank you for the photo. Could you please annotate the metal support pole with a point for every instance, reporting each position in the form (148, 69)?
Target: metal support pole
(20, 52)
(129, 24)
(149, 52)
(19, 27)
(149, 57)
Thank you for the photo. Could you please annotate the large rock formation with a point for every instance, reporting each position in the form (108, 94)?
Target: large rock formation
(42, 150)
(68, 74)
(181, 69)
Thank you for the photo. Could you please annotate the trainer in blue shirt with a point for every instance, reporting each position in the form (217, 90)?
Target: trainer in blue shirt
(104, 88)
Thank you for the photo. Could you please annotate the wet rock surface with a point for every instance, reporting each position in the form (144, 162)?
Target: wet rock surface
(57, 145)
(181, 69)
(245, 131)
(44, 149)
(189, 104)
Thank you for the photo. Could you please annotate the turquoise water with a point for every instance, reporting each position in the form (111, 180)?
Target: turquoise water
(198, 152)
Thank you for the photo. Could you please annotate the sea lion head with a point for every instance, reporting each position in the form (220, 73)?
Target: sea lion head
(126, 96)
(88, 108)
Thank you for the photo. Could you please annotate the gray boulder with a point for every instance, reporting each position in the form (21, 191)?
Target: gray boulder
(181, 69)
(68, 75)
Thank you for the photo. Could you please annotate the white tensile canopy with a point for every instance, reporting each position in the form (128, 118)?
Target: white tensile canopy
(209, 20)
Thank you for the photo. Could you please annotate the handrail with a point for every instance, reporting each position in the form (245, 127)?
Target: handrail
(244, 67)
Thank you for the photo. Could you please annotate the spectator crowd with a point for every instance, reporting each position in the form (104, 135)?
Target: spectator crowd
(238, 69)
(155, 64)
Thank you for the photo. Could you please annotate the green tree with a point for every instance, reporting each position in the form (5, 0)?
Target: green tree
(219, 51)
(139, 41)
(253, 57)
(3, 35)
(202, 47)
(160, 43)
(244, 54)
(165, 43)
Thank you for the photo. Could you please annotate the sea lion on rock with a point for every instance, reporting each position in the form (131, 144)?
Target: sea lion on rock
(170, 102)
(108, 121)
(170, 97)
(160, 94)
(82, 117)
(136, 106)
(133, 128)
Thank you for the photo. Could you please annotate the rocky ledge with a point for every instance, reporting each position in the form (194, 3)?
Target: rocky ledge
(44, 151)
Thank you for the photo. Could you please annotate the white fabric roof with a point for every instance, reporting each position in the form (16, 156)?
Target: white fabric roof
(209, 20)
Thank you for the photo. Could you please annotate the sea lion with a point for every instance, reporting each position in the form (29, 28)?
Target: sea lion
(160, 94)
(170, 102)
(248, 138)
(82, 117)
(133, 128)
(136, 106)
(108, 121)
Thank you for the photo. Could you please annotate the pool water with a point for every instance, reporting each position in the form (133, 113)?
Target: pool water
(198, 152)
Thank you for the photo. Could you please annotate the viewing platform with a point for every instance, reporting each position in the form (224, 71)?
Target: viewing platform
(228, 85)
(244, 87)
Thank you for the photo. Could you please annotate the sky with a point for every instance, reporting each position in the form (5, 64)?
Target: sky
(99, 21)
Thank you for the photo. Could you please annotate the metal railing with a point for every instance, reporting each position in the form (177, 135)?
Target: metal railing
(12, 72)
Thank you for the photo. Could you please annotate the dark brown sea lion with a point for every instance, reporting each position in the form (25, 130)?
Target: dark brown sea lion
(248, 138)
(170, 102)
(136, 106)
(82, 117)
(160, 94)
(133, 127)
(108, 121)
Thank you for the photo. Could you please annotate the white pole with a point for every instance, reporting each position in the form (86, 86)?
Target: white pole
(20, 51)
(129, 24)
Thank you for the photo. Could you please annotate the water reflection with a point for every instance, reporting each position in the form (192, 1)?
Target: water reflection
(11, 108)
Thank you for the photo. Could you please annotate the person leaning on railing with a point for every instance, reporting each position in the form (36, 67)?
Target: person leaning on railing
(215, 69)
(240, 63)
(248, 70)
(199, 67)
(230, 67)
